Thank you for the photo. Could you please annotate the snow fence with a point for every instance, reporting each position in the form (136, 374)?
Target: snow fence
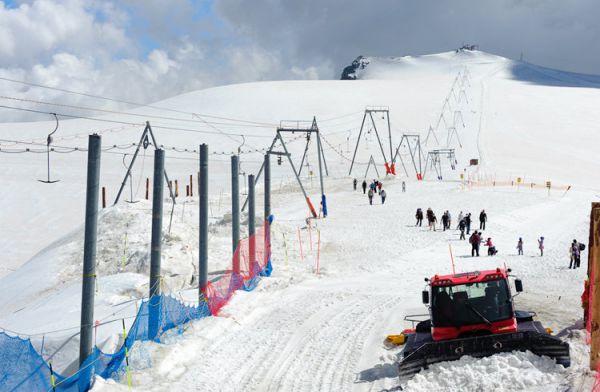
(22, 368)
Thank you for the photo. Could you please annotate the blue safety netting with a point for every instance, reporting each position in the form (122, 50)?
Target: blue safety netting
(22, 368)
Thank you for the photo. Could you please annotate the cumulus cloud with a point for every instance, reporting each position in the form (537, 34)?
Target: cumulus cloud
(147, 50)
(100, 48)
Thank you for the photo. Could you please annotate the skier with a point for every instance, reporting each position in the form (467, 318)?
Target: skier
(383, 195)
(419, 216)
(475, 240)
(520, 246)
(574, 251)
(482, 220)
(461, 227)
(354, 183)
(468, 222)
(491, 248)
(370, 194)
(403, 186)
(541, 245)
(445, 220)
(449, 219)
(364, 186)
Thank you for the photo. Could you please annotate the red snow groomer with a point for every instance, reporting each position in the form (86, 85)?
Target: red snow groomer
(473, 314)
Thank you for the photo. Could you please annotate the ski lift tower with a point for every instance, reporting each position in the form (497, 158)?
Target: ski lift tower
(434, 160)
(413, 144)
(385, 113)
(310, 129)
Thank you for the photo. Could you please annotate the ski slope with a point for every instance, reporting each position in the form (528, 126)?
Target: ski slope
(300, 330)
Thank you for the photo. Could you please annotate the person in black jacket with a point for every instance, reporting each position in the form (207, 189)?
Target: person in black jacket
(482, 220)
(364, 186)
(468, 222)
(419, 216)
(354, 182)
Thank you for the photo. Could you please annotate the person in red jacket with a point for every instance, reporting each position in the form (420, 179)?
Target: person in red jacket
(475, 241)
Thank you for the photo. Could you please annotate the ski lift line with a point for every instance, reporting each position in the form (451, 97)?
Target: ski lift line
(126, 123)
(133, 103)
(92, 109)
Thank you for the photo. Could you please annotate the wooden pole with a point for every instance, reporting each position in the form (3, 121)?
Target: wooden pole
(191, 185)
(176, 189)
(187, 190)
(103, 197)
(594, 276)
(147, 188)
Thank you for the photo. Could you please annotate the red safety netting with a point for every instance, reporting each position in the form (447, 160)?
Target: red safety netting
(250, 261)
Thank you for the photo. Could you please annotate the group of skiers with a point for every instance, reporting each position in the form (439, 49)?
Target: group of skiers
(375, 187)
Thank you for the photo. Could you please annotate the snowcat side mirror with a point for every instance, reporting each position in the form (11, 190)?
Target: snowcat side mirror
(518, 285)
(425, 297)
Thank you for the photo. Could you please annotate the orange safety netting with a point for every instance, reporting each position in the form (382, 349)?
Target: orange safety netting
(250, 261)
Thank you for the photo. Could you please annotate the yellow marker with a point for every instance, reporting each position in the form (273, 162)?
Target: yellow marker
(126, 356)
(52, 381)
(396, 340)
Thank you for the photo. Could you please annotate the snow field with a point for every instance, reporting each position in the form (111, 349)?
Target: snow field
(303, 332)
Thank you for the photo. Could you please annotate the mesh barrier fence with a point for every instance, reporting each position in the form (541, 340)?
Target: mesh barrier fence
(22, 368)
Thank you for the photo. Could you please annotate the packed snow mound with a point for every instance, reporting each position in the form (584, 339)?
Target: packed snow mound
(517, 371)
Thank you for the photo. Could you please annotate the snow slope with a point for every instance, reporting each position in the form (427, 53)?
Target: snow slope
(302, 331)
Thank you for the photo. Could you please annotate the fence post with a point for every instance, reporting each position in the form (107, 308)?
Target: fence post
(155, 247)
(89, 250)
(103, 197)
(235, 211)
(191, 185)
(176, 188)
(594, 285)
(203, 204)
(251, 221)
(267, 227)
(147, 188)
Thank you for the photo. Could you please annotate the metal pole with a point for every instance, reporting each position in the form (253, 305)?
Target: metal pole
(289, 157)
(260, 170)
(235, 211)
(267, 203)
(357, 142)
(251, 220)
(155, 247)
(137, 150)
(378, 138)
(89, 248)
(390, 133)
(267, 170)
(323, 199)
(203, 256)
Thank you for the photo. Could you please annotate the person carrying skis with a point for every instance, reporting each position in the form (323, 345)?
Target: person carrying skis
(520, 246)
(364, 186)
(419, 216)
(370, 195)
(541, 245)
(468, 222)
(475, 241)
(354, 183)
(482, 220)
(383, 195)
(461, 227)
